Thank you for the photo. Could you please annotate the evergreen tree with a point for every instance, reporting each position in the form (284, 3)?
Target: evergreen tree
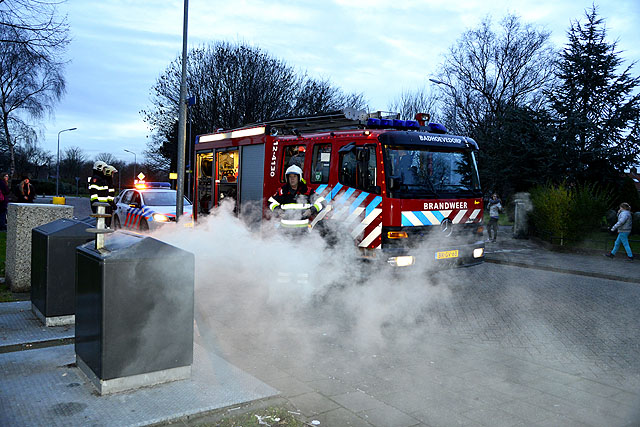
(598, 108)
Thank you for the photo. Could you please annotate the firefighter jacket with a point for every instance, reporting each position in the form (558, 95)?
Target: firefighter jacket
(111, 191)
(98, 188)
(301, 199)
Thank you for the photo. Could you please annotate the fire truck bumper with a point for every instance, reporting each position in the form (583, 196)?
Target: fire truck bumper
(461, 254)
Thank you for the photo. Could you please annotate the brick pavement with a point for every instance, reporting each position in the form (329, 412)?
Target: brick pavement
(496, 344)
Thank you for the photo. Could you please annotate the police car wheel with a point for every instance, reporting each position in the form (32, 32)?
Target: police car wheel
(116, 222)
(144, 226)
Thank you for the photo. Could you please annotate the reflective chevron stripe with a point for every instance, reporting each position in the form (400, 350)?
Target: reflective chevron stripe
(419, 218)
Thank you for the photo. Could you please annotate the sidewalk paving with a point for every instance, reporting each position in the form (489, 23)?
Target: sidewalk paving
(529, 254)
(42, 386)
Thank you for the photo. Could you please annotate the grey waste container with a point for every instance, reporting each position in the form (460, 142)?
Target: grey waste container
(53, 266)
(134, 312)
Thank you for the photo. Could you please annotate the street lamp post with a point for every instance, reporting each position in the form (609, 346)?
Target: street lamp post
(135, 162)
(58, 162)
(455, 101)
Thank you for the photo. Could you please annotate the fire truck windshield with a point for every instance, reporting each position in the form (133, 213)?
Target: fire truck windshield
(431, 172)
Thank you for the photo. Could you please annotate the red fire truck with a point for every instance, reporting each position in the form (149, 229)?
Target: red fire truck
(403, 190)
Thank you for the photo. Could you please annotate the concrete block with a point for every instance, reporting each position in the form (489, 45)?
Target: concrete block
(21, 219)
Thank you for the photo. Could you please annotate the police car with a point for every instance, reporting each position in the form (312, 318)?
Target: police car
(147, 207)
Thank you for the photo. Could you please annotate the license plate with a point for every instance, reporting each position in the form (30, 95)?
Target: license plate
(447, 254)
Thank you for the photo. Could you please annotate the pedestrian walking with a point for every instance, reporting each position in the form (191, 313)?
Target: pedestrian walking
(624, 229)
(4, 200)
(495, 206)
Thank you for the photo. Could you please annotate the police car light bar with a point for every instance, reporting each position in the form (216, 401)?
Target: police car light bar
(241, 133)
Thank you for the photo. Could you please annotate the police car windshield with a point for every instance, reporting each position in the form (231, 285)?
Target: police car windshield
(430, 172)
(161, 198)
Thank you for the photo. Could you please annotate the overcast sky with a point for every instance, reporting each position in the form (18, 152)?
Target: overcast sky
(379, 48)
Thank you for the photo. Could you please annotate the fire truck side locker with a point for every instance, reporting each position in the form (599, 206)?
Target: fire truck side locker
(251, 183)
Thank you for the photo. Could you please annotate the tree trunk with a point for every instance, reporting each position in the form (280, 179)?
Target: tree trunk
(12, 151)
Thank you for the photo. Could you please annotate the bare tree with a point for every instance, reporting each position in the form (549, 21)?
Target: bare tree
(234, 84)
(35, 25)
(31, 82)
(72, 162)
(108, 158)
(409, 103)
(487, 71)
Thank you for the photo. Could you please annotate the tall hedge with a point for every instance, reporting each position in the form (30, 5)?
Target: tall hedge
(568, 212)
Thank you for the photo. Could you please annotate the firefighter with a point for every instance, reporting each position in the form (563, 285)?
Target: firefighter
(111, 191)
(295, 197)
(98, 188)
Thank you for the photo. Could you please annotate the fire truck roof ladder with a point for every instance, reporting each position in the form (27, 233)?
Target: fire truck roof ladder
(347, 118)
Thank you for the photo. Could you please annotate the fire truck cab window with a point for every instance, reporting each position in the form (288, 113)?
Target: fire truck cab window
(293, 155)
(358, 168)
(320, 163)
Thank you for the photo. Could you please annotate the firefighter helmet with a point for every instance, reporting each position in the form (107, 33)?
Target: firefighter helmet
(99, 165)
(295, 170)
(110, 170)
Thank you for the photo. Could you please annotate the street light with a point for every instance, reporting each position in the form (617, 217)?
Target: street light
(58, 162)
(455, 101)
(134, 163)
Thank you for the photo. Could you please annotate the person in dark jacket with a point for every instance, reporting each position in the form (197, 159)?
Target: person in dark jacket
(26, 192)
(623, 226)
(4, 200)
(295, 197)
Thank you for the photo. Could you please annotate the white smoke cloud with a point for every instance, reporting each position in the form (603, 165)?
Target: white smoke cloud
(285, 286)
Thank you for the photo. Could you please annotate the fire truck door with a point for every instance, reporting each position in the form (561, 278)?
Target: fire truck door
(251, 182)
(205, 171)
(227, 162)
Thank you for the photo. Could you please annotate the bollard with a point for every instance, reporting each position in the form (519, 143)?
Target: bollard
(21, 219)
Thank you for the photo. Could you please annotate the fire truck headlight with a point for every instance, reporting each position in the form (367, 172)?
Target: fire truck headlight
(401, 261)
(478, 252)
(160, 218)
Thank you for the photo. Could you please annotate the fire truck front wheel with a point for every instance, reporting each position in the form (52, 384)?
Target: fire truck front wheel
(144, 226)
(116, 222)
